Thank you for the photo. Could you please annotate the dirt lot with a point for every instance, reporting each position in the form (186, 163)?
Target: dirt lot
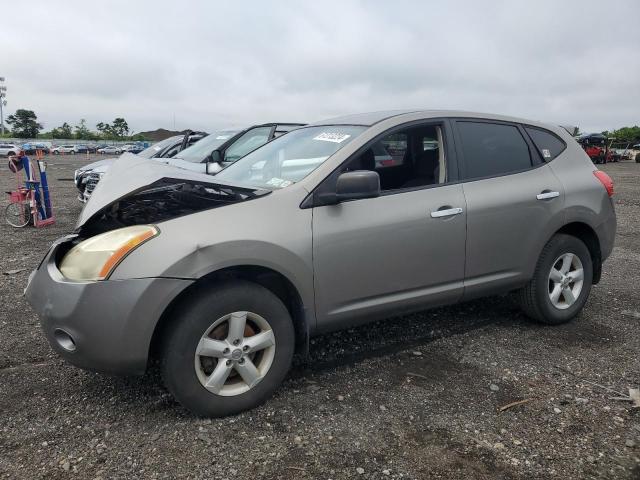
(410, 397)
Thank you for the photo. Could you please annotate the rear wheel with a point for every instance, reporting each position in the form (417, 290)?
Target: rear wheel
(228, 349)
(561, 283)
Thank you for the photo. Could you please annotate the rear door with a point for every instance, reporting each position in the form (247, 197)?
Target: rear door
(514, 204)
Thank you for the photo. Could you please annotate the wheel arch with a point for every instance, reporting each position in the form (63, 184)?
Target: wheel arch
(274, 281)
(588, 235)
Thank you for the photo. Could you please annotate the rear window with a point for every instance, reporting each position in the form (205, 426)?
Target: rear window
(548, 144)
(492, 149)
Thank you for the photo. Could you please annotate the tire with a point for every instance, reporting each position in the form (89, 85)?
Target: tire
(637, 157)
(186, 373)
(72, 152)
(18, 214)
(535, 298)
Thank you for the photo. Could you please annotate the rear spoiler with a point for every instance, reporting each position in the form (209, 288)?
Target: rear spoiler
(572, 130)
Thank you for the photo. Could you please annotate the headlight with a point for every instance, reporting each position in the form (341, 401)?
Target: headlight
(96, 258)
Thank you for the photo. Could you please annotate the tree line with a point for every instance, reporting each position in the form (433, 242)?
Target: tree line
(24, 124)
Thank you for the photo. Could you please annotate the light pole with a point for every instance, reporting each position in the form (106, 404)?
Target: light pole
(3, 102)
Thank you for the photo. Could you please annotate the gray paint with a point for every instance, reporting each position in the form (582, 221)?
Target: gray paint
(352, 262)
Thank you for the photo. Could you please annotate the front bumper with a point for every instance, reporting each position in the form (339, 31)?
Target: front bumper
(111, 321)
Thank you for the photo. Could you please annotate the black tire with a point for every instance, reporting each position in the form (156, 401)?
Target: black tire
(72, 152)
(534, 297)
(194, 317)
(637, 157)
(18, 214)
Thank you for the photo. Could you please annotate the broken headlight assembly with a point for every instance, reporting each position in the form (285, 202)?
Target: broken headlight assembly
(96, 257)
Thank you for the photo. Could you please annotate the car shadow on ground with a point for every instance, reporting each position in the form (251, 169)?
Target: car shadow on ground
(337, 350)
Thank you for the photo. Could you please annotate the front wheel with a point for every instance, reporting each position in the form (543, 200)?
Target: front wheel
(561, 283)
(228, 349)
(18, 214)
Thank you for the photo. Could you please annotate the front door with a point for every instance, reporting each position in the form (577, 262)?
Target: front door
(398, 252)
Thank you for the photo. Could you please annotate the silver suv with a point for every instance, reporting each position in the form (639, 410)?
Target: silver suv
(224, 278)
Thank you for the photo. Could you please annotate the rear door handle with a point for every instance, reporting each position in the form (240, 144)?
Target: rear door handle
(448, 212)
(547, 195)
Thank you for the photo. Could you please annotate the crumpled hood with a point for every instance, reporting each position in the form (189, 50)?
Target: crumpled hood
(100, 163)
(134, 179)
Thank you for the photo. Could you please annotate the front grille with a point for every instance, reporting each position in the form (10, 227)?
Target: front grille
(92, 181)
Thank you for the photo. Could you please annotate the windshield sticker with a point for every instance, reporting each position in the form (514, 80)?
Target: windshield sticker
(334, 137)
(279, 182)
(546, 153)
(222, 137)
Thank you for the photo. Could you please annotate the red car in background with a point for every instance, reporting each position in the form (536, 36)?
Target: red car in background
(596, 146)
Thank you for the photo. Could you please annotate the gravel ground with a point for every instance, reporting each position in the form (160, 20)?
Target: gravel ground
(410, 397)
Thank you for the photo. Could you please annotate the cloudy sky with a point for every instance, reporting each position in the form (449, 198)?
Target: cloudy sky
(211, 64)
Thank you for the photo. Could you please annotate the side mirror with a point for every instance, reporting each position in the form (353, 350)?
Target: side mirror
(353, 186)
(213, 168)
(216, 156)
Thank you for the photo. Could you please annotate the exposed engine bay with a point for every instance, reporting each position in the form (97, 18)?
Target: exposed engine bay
(163, 200)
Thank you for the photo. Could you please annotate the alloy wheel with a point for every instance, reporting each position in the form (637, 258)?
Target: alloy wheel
(565, 280)
(235, 353)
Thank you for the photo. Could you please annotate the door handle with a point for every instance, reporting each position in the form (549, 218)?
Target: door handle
(547, 195)
(448, 212)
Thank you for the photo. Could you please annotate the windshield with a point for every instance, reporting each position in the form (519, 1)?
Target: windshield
(199, 151)
(156, 148)
(291, 157)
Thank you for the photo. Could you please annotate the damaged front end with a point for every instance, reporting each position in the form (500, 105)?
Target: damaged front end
(136, 191)
(162, 200)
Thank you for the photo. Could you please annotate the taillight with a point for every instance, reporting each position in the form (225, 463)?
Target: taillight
(605, 180)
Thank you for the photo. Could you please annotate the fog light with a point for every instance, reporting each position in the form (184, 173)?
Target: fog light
(64, 340)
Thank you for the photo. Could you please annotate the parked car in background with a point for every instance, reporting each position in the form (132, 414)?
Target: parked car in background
(9, 149)
(210, 154)
(222, 148)
(596, 147)
(66, 149)
(32, 147)
(136, 148)
(110, 149)
(224, 277)
(86, 178)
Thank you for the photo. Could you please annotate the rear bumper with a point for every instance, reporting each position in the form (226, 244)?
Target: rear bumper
(111, 322)
(606, 232)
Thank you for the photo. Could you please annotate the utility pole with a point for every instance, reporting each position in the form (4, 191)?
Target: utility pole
(3, 102)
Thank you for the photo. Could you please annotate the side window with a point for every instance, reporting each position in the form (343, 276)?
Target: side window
(172, 152)
(390, 151)
(492, 149)
(549, 145)
(406, 159)
(247, 143)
